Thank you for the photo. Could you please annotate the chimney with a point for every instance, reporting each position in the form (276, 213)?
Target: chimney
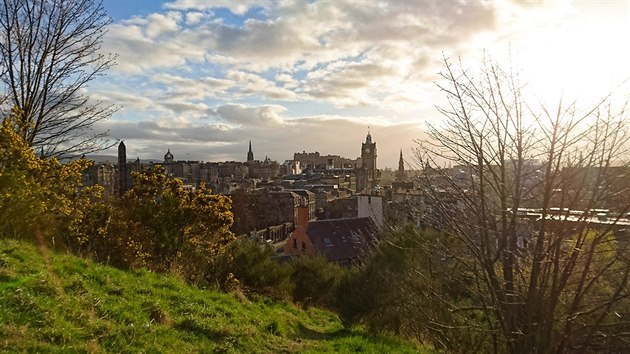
(302, 217)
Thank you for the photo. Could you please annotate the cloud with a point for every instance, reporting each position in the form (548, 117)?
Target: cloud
(183, 88)
(253, 84)
(251, 116)
(160, 25)
(296, 36)
(121, 98)
(236, 7)
(138, 52)
(193, 17)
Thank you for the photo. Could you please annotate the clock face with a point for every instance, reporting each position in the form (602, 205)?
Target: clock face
(367, 150)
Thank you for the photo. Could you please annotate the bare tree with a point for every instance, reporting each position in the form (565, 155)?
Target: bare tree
(538, 199)
(50, 52)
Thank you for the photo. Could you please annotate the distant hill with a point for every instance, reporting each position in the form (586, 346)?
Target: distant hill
(60, 303)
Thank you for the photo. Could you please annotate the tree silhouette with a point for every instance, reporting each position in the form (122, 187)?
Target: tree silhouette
(525, 200)
(49, 53)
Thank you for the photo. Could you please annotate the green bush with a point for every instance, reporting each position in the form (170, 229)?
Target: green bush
(305, 280)
(315, 280)
(406, 288)
(252, 264)
(157, 224)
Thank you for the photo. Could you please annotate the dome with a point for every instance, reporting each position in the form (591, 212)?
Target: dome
(168, 157)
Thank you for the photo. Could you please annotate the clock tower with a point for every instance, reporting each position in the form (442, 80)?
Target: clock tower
(368, 156)
(368, 175)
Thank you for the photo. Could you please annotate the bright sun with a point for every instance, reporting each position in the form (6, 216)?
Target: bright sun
(575, 50)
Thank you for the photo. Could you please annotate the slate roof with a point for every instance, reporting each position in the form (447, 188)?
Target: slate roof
(342, 239)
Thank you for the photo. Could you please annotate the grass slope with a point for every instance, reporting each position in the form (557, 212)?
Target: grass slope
(60, 303)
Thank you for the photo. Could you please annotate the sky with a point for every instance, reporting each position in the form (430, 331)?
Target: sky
(203, 78)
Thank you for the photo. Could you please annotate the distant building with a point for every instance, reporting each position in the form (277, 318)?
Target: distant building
(341, 208)
(308, 200)
(313, 161)
(344, 241)
(123, 176)
(371, 206)
(103, 174)
(290, 167)
(168, 157)
(250, 153)
(264, 170)
(232, 169)
(259, 209)
(400, 174)
(368, 175)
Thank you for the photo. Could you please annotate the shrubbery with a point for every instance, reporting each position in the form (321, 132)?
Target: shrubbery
(407, 288)
(251, 263)
(413, 286)
(157, 224)
(316, 281)
(37, 196)
(304, 280)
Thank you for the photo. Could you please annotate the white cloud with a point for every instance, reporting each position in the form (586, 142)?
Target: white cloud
(307, 35)
(193, 17)
(188, 89)
(236, 7)
(138, 53)
(251, 116)
(159, 25)
(252, 84)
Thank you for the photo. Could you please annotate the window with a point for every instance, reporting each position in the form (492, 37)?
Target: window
(294, 243)
(303, 246)
(327, 242)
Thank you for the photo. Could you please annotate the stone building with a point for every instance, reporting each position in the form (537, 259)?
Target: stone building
(123, 175)
(260, 209)
(265, 170)
(344, 241)
(103, 174)
(313, 160)
(368, 175)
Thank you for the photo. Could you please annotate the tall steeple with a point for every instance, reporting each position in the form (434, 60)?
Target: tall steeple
(400, 174)
(250, 153)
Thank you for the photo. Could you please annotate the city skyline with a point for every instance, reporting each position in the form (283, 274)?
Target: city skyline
(204, 78)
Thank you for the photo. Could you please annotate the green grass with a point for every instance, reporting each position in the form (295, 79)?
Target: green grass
(62, 303)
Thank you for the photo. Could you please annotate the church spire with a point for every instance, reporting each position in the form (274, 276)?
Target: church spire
(400, 174)
(250, 153)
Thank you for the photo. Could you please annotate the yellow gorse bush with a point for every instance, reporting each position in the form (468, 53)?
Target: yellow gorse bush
(34, 192)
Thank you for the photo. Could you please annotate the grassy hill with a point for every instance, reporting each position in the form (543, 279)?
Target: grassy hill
(60, 303)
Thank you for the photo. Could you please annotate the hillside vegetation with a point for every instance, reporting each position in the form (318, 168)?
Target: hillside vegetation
(55, 302)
